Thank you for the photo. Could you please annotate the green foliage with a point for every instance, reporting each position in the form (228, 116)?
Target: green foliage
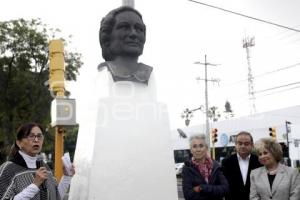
(23, 73)
(70, 141)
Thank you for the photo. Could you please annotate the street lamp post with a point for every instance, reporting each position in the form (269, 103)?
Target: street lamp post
(288, 131)
(188, 114)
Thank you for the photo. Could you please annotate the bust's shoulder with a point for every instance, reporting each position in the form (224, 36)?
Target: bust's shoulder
(102, 66)
(144, 67)
(141, 67)
(141, 75)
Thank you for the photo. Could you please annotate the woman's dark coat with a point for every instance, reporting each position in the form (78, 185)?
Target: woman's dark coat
(215, 189)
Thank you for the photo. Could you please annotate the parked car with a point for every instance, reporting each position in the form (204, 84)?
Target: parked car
(178, 168)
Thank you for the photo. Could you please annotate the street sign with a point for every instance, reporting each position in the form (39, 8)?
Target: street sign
(224, 139)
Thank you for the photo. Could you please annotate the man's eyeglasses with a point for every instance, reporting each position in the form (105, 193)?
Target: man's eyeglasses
(33, 137)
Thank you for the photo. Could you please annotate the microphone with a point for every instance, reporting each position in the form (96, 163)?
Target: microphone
(39, 163)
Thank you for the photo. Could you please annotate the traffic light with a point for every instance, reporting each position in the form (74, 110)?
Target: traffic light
(57, 65)
(272, 133)
(214, 135)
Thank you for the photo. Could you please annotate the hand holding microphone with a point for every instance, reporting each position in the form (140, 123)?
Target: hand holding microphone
(41, 174)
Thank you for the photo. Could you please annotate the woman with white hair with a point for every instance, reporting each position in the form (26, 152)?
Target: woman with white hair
(202, 177)
(273, 180)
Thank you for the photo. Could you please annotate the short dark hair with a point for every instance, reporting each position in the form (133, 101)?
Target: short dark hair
(107, 24)
(24, 129)
(244, 133)
(22, 132)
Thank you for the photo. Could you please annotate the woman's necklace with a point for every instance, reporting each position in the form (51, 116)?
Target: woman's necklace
(272, 172)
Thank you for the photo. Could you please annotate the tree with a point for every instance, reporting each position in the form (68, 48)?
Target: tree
(228, 110)
(23, 73)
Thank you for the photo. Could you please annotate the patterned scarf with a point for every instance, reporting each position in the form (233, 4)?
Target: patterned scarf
(204, 168)
(16, 176)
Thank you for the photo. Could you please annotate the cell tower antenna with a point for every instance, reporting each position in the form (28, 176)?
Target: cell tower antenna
(247, 43)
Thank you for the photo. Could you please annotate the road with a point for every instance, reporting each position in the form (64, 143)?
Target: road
(179, 189)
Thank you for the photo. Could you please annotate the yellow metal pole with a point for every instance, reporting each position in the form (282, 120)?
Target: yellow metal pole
(213, 151)
(57, 85)
(59, 150)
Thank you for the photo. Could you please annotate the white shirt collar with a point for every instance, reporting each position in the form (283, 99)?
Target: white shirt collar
(244, 166)
(240, 158)
(30, 161)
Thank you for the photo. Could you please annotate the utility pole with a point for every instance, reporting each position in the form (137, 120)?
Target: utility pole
(247, 43)
(206, 97)
(129, 3)
(288, 131)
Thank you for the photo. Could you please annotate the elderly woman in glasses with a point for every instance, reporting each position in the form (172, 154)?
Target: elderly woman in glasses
(25, 176)
(202, 177)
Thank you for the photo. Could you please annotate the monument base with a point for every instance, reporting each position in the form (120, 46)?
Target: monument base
(131, 156)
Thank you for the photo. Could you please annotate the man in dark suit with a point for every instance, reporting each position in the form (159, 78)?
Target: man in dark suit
(238, 166)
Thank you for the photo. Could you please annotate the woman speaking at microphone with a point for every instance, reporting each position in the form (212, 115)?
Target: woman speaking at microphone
(24, 176)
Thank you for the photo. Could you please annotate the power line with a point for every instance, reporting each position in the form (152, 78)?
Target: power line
(243, 15)
(277, 70)
(263, 74)
(283, 33)
(241, 98)
(277, 87)
(288, 36)
(243, 95)
(280, 91)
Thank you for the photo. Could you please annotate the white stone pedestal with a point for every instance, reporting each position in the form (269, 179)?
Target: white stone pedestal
(127, 154)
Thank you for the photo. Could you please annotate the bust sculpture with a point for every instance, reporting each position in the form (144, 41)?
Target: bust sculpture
(124, 129)
(122, 37)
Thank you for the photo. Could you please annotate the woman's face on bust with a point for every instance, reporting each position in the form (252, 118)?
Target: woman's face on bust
(198, 149)
(128, 35)
(32, 144)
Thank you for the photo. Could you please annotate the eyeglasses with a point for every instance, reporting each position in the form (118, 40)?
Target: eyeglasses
(38, 137)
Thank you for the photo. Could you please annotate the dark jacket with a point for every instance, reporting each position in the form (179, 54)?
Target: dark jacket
(214, 190)
(231, 170)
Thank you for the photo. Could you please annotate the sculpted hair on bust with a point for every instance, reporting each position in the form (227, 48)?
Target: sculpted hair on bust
(271, 145)
(107, 24)
(199, 137)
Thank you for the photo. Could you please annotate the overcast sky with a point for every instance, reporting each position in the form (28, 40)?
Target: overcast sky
(181, 32)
